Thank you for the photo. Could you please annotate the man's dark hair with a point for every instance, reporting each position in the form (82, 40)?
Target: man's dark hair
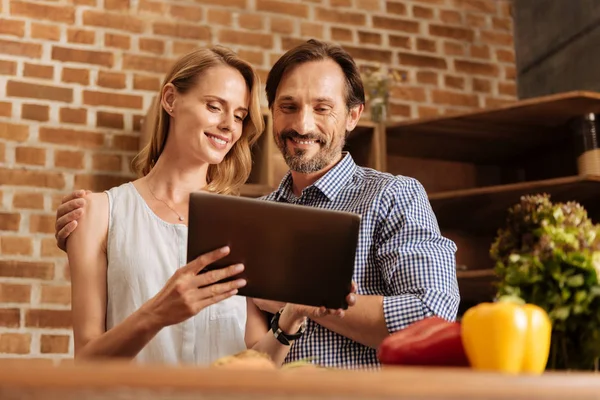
(315, 50)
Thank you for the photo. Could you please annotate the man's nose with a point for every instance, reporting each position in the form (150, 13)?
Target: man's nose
(306, 123)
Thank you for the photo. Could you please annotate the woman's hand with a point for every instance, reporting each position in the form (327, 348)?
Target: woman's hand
(187, 293)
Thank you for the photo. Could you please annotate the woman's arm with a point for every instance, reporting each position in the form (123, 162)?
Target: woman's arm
(88, 262)
(260, 339)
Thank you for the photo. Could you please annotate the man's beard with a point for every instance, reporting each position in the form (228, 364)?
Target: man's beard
(298, 161)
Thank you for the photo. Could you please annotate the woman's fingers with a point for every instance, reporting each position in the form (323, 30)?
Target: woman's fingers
(217, 290)
(208, 301)
(216, 275)
(198, 264)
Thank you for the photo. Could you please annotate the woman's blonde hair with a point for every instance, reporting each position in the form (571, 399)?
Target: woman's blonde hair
(228, 176)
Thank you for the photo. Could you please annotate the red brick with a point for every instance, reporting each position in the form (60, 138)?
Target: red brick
(219, 17)
(12, 27)
(69, 159)
(8, 67)
(14, 132)
(137, 122)
(153, 7)
(71, 137)
(255, 22)
(56, 294)
(125, 142)
(422, 12)
(510, 72)
(369, 38)
(282, 25)
(408, 59)
(10, 317)
(395, 24)
(491, 102)
(502, 24)
(39, 318)
(152, 83)
(454, 98)
(82, 36)
(37, 91)
(400, 110)
(280, 7)
(246, 38)
(113, 80)
(427, 112)
(146, 63)
(35, 112)
(118, 41)
(38, 71)
(400, 41)
(5, 108)
(73, 115)
(2, 158)
(15, 293)
(98, 183)
(39, 223)
(180, 48)
(452, 32)
(427, 77)
(18, 177)
(106, 162)
(507, 88)
(426, 45)
(362, 53)
(255, 57)
(484, 6)
(37, 11)
(454, 82)
(451, 17)
(28, 200)
(225, 3)
(16, 245)
(15, 343)
(340, 3)
(186, 31)
(65, 54)
(475, 68)
(454, 48)
(50, 249)
(112, 20)
(288, 43)
(20, 48)
(54, 344)
(44, 31)
(341, 17)
(506, 56)
(120, 5)
(98, 98)
(75, 75)
(109, 120)
(395, 8)
(496, 38)
(9, 221)
(26, 269)
(152, 45)
(477, 21)
(30, 155)
(189, 13)
(341, 34)
(368, 5)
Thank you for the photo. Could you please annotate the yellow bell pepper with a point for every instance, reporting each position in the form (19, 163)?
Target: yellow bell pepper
(507, 337)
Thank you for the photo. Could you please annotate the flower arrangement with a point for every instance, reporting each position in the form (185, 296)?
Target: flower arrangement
(549, 254)
(378, 82)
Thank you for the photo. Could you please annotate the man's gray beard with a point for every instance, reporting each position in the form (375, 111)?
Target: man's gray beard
(324, 157)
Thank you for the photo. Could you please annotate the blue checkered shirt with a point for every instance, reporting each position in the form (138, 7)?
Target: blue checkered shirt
(401, 256)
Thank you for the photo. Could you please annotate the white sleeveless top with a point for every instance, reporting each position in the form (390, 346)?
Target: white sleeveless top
(143, 253)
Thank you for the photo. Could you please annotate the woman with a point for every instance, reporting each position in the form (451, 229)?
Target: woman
(132, 295)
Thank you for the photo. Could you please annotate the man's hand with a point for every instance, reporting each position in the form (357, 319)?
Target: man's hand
(67, 214)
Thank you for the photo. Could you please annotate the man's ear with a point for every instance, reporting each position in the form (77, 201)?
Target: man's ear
(168, 96)
(354, 117)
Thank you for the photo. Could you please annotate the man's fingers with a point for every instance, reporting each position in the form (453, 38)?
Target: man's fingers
(69, 206)
(61, 236)
(74, 195)
(205, 259)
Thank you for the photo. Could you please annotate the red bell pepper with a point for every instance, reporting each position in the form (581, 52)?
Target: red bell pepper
(431, 341)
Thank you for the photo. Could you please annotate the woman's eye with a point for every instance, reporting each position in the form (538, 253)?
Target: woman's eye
(239, 118)
(213, 108)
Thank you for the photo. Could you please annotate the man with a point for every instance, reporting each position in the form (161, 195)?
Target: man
(405, 270)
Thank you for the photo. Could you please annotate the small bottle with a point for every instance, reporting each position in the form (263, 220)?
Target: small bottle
(586, 145)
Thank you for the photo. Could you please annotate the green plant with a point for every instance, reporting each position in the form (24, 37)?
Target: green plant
(549, 254)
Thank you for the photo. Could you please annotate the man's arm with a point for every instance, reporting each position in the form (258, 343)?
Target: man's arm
(417, 264)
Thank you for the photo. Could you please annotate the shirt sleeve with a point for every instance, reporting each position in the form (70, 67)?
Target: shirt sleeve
(417, 262)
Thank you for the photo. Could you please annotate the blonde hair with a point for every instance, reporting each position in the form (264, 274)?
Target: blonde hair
(228, 176)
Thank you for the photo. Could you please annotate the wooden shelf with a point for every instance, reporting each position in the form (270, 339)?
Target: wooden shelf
(484, 209)
(492, 135)
(476, 286)
(255, 190)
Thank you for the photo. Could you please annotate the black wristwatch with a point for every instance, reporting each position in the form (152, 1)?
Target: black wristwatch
(285, 338)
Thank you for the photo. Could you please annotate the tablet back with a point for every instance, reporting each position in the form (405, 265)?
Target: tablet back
(296, 254)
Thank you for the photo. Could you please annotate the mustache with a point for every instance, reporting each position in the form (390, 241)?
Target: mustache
(292, 134)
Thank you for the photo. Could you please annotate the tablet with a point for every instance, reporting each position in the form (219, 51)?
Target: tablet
(291, 253)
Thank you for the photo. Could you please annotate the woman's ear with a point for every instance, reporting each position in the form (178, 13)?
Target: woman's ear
(168, 97)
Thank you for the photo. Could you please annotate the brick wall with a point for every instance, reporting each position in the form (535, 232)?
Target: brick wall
(76, 77)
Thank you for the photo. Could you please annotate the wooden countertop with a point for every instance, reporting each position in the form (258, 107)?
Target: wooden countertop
(31, 380)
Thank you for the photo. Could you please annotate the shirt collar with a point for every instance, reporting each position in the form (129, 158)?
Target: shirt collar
(329, 184)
